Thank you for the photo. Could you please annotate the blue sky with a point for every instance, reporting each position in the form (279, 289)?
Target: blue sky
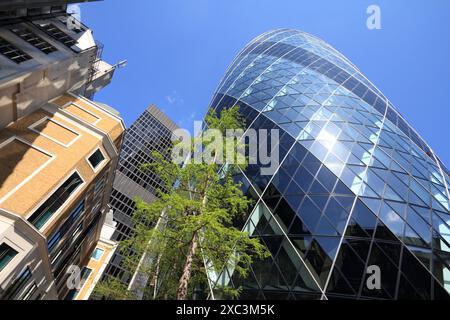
(178, 50)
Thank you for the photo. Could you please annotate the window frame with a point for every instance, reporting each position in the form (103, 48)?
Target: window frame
(101, 255)
(101, 164)
(54, 240)
(17, 287)
(22, 56)
(74, 193)
(9, 248)
(66, 39)
(19, 32)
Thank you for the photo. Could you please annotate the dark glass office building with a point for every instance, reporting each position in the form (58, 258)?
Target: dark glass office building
(356, 185)
(152, 131)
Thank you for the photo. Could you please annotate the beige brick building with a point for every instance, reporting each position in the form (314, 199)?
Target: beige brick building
(58, 153)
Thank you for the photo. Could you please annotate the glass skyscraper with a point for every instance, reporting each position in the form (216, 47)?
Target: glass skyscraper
(356, 186)
(152, 131)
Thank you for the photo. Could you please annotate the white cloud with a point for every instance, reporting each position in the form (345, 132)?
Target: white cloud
(174, 98)
(393, 217)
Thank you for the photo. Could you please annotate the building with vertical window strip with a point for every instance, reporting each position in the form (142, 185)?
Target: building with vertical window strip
(152, 131)
(99, 260)
(58, 151)
(356, 185)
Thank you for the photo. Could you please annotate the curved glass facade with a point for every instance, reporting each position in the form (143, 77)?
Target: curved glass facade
(356, 185)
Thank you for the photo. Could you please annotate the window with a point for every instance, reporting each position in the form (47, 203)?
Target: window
(58, 9)
(6, 255)
(97, 254)
(56, 201)
(30, 292)
(33, 39)
(58, 34)
(96, 158)
(92, 227)
(17, 285)
(53, 241)
(99, 186)
(53, 262)
(13, 53)
(71, 295)
(76, 212)
(85, 273)
(56, 237)
(77, 231)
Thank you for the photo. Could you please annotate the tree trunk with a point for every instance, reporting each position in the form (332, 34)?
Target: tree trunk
(155, 288)
(186, 276)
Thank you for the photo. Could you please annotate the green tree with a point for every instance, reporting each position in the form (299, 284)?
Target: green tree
(112, 289)
(193, 230)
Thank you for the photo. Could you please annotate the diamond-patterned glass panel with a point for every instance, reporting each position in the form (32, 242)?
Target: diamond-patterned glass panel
(356, 186)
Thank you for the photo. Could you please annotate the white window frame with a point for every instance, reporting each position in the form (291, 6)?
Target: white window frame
(103, 252)
(102, 163)
(57, 212)
(13, 246)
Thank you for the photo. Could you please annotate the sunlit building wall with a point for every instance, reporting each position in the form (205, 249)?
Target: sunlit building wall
(58, 150)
